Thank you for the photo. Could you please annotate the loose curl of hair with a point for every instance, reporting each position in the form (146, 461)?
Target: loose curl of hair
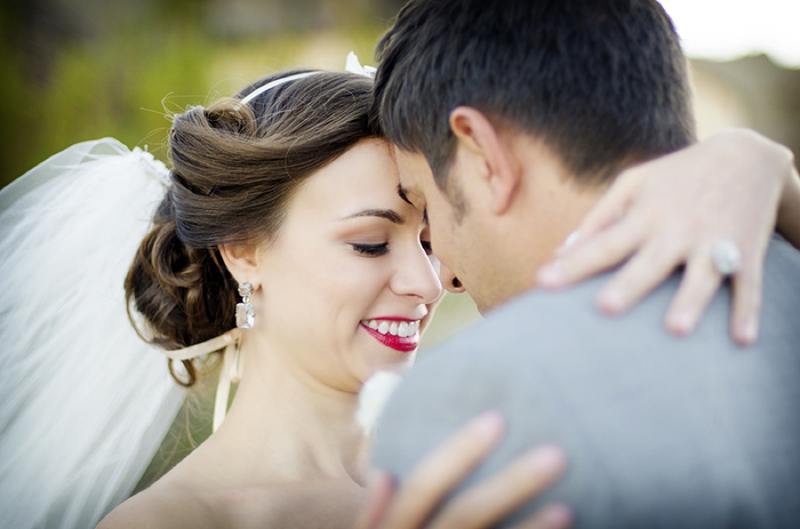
(235, 169)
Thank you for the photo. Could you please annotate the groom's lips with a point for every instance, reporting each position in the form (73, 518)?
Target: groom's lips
(404, 344)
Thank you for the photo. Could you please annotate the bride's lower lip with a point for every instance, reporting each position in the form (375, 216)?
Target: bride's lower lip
(404, 344)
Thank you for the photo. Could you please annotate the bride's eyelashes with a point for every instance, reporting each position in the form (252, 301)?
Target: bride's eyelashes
(371, 250)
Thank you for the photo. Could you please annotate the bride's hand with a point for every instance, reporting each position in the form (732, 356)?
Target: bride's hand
(415, 503)
(668, 212)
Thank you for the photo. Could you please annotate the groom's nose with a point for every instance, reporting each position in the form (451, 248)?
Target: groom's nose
(449, 280)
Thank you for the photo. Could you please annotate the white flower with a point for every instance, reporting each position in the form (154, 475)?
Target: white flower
(353, 66)
(373, 397)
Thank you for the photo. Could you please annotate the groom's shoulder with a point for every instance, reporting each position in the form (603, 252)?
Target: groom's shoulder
(539, 321)
(681, 432)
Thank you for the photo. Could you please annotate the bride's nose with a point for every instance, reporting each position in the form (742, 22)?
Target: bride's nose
(415, 275)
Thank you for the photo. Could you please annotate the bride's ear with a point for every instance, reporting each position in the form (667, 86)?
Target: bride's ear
(240, 261)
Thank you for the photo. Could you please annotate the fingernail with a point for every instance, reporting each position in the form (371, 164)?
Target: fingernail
(681, 323)
(556, 516)
(571, 239)
(748, 331)
(547, 460)
(551, 275)
(487, 423)
(611, 300)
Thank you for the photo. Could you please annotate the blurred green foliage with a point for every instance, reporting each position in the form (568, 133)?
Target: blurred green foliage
(126, 78)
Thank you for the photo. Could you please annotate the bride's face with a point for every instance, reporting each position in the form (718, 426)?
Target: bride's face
(348, 283)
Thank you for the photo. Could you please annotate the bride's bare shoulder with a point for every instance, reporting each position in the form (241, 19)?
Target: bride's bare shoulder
(163, 506)
(174, 504)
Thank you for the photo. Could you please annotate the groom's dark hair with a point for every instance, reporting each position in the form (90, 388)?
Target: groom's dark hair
(602, 82)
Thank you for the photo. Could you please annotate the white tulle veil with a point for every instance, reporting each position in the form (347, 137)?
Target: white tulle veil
(84, 403)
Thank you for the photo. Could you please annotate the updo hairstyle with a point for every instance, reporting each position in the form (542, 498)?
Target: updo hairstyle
(235, 168)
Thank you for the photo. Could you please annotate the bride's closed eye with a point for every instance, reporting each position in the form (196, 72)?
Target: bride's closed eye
(371, 250)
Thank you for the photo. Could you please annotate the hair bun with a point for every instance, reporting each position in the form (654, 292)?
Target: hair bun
(185, 295)
(231, 116)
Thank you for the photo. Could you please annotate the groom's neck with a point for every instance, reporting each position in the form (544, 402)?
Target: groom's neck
(549, 205)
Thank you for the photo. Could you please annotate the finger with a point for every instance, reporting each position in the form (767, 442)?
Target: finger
(594, 255)
(441, 471)
(647, 269)
(380, 491)
(488, 503)
(554, 516)
(746, 285)
(612, 206)
(699, 284)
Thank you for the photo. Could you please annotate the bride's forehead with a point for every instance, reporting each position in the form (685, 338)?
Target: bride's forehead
(363, 178)
(367, 169)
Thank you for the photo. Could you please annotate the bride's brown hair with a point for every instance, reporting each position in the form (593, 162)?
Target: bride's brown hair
(235, 167)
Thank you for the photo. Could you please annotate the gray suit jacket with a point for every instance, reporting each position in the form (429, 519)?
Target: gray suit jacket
(659, 431)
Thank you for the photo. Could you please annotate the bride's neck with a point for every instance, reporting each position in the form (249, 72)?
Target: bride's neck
(284, 424)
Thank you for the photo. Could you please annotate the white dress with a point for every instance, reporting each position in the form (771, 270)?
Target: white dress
(84, 402)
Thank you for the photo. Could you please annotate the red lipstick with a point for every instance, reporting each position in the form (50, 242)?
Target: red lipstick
(404, 344)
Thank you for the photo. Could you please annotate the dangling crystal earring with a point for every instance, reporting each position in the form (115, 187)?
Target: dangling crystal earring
(245, 313)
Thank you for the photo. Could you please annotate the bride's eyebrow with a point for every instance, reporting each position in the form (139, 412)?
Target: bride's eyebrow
(388, 214)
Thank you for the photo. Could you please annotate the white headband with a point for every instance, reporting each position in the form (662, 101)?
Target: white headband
(272, 84)
(352, 65)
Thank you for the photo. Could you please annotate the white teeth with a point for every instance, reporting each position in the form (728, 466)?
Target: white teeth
(402, 329)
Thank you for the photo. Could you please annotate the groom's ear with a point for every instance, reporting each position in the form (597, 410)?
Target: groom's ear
(476, 133)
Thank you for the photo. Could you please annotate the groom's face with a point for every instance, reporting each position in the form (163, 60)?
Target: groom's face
(456, 234)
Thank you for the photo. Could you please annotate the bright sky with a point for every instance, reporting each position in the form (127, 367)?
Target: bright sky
(727, 29)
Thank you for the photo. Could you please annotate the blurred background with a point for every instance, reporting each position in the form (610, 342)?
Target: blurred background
(75, 70)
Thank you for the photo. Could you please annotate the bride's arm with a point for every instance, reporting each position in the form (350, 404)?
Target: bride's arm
(669, 211)
(416, 502)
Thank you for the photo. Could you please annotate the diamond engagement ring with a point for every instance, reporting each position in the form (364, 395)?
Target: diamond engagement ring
(726, 257)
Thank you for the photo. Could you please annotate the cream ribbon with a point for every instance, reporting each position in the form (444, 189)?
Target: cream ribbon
(231, 366)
